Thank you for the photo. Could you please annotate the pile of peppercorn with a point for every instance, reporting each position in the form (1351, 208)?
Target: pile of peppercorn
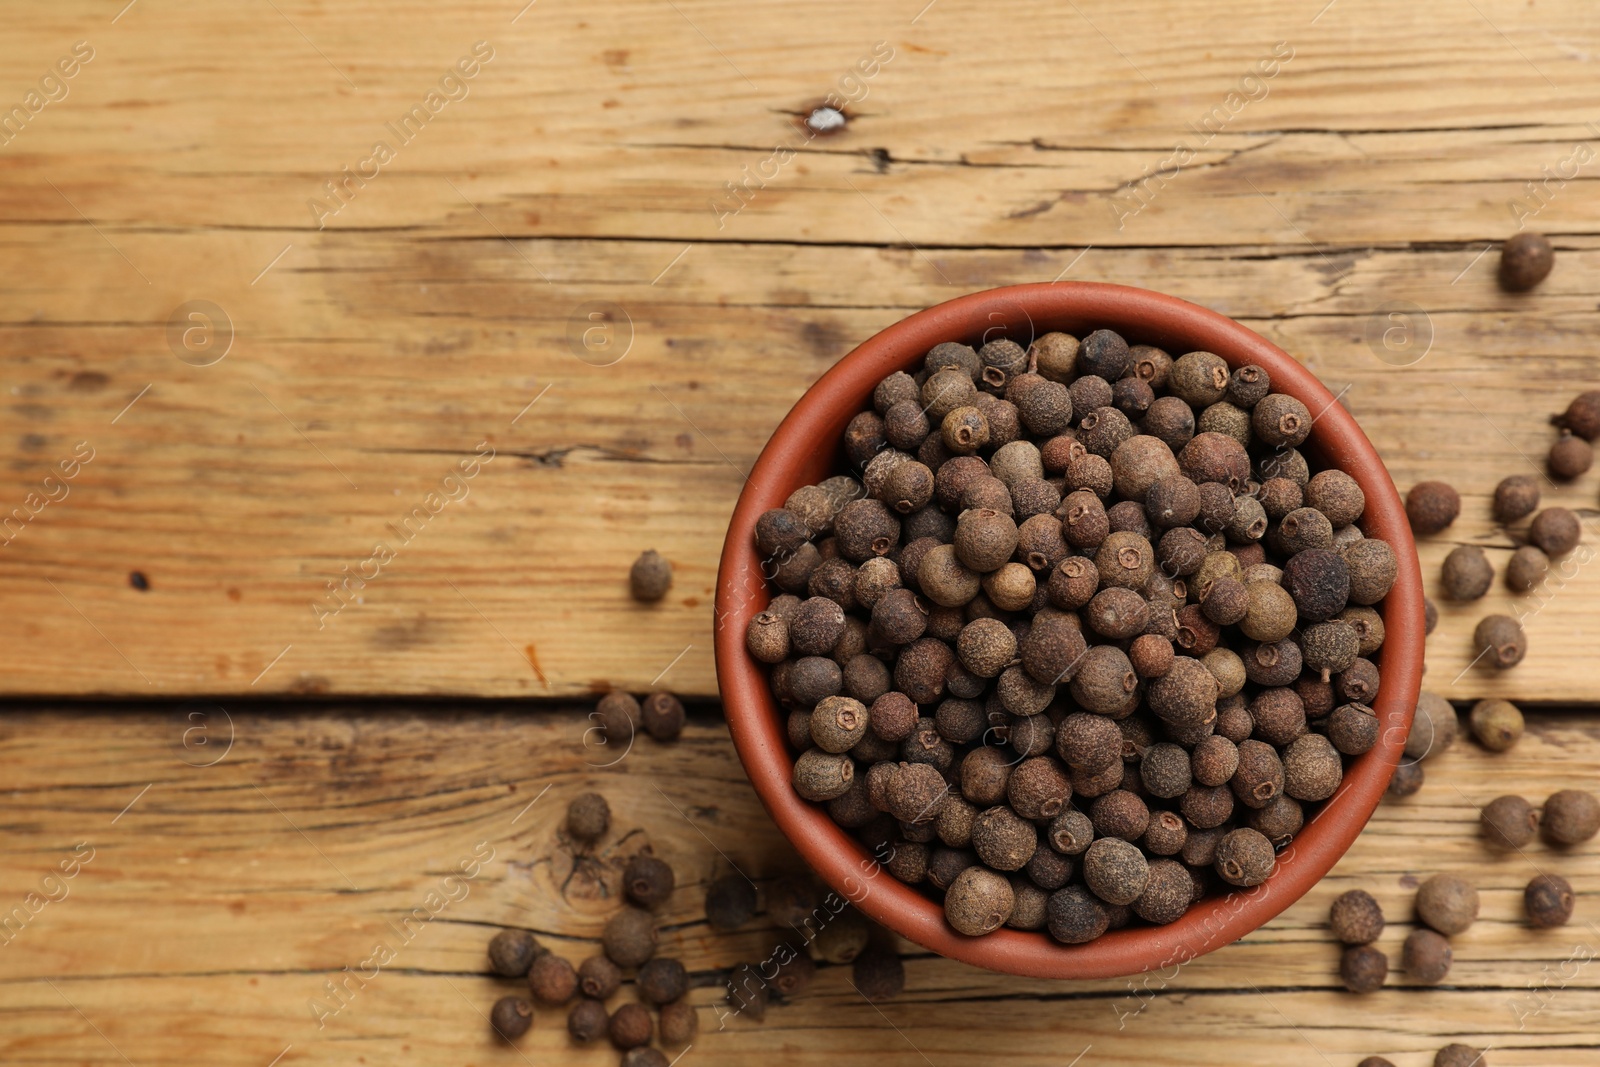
(1080, 635)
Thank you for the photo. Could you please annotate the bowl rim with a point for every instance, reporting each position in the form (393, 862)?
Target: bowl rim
(792, 458)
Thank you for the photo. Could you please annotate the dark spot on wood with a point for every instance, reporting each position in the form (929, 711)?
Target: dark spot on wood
(32, 442)
(88, 381)
(825, 340)
(311, 684)
(1028, 212)
(1408, 881)
(615, 57)
(685, 441)
(880, 159)
(400, 636)
(236, 906)
(599, 686)
(608, 104)
(139, 581)
(234, 594)
(530, 218)
(691, 601)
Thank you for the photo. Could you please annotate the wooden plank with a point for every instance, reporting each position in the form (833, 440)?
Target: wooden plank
(219, 899)
(372, 356)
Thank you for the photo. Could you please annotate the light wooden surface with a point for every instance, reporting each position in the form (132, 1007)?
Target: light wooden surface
(374, 354)
(433, 318)
(221, 898)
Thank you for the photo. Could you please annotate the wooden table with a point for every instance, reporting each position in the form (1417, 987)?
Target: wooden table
(252, 353)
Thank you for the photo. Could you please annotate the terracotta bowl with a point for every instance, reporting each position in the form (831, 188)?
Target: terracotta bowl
(804, 450)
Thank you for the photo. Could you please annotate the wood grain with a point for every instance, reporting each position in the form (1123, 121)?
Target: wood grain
(371, 356)
(219, 899)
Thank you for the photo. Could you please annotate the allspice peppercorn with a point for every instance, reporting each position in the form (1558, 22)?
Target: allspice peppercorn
(1467, 573)
(1525, 261)
(1516, 497)
(730, 902)
(1500, 640)
(878, 973)
(1548, 900)
(598, 977)
(978, 901)
(1363, 969)
(1508, 822)
(631, 1026)
(1356, 918)
(679, 1022)
(587, 1021)
(644, 1056)
(648, 881)
(1459, 1056)
(1448, 903)
(1115, 870)
(511, 1017)
(629, 938)
(615, 716)
(552, 979)
(1245, 857)
(1426, 956)
(1556, 531)
(1582, 416)
(1527, 569)
(512, 952)
(1570, 457)
(650, 577)
(588, 817)
(1570, 817)
(1497, 724)
(1432, 506)
(1074, 916)
(662, 980)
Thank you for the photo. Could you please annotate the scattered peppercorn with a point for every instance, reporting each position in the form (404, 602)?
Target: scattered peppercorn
(1448, 903)
(1432, 506)
(629, 937)
(1548, 900)
(587, 1021)
(552, 979)
(644, 1056)
(1356, 918)
(598, 977)
(1467, 573)
(679, 1022)
(1407, 779)
(662, 980)
(1556, 531)
(1363, 969)
(1570, 817)
(1582, 416)
(1497, 724)
(1527, 569)
(1509, 822)
(1516, 497)
(631, 1026)
(1500, 641)
(512, 952)
(1426, 956)
(1525, 261)
(511, 1017)
(662, 716)
(1570, 457)
(878, 973)
(648, 881)
(650, 576)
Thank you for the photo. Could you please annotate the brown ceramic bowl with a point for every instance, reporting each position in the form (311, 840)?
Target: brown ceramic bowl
(804, 450)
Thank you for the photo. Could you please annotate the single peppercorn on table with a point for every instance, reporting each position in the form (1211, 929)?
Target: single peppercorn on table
(293, 418)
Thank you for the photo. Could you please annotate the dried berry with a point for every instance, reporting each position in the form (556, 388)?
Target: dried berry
(598, 977)
(679, 1023)
(645, 1056)
(1280, 420)
(1582, 416)
(1515, 497)
(1372, 569)
(1312, 768)
(1527, 569)
(978, 901)
(511, 1017)
(730, 902)
(1115, 870)
(1556, 531)
(1074, 916)
(1003, 839)
(1508, 822)
(512, 952)
(615, 715)
(821, 775)
(552, 979)
(1407, 779)
(587, 1021)
(1497, 724)
(1244, 857)
(1548, 900)
(1525, 261)
(648, 881)
(1167, 893)
(1356, 918)
(1426, 956)
(631, 1026)
(1570, 817)
(796, 970)
(1570, 457)
(1459, 1056)
(1434, 728)
(747, 991)
(650, 576)
(1055, 355)
(629, 937)
(1467, 573)
(1353, 728)
(1363, 969)
(1500, 641)
(878, 973)
(1432, 506)
(662, 981)
(1037, 789)
(1448, 903)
